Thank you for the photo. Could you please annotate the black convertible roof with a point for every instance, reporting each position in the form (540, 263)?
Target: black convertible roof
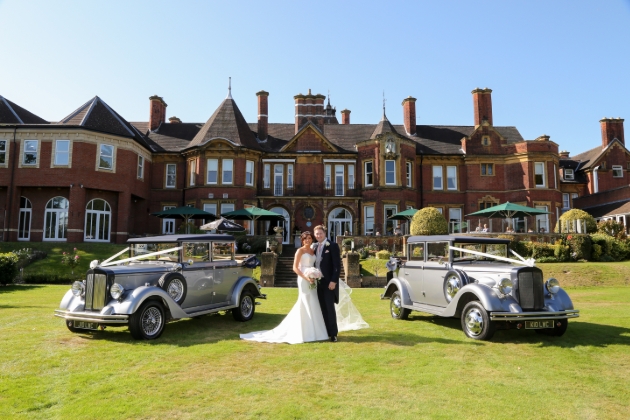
(453, 238)
(180, 238)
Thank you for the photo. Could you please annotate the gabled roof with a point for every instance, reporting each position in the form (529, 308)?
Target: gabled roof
(11, 113)
(591, 157)
(312, 126)
(227, 122)
(95, 114)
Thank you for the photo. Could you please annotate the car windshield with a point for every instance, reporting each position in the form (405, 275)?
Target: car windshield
(137, 250)
(499, 250)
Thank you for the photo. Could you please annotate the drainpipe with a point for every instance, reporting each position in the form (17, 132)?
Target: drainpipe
(421, 184)
(7, 211)
(595, 180)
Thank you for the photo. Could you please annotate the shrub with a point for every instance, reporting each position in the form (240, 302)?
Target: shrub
(363, 253)
(596, 252)
(70, 259)
(580, 247)
(547, 260)
(428, 221)
(347, 242)
(516, 245)
(612, 228)
(8, 267)
(541, 250)
(48, 278)
(611, 249)
(383, 255)
(576, 214)
(562, 252)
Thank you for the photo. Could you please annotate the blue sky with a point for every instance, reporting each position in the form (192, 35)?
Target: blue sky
(555, 67)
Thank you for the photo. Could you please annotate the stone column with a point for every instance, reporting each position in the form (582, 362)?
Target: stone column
(352, 269)
(268, 269)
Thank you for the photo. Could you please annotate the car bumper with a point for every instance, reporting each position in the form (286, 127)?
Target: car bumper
(533, 316)
(92, 317)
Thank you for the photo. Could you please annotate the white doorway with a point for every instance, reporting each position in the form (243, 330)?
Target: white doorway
(286, 224)
(339, 222)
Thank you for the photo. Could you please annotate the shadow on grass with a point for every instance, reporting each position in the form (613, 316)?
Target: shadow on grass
(17, 288)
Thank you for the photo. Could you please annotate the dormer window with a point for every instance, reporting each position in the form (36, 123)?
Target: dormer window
(568, 175)
(485, 140)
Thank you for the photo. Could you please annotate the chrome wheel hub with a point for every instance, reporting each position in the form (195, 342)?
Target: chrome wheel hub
(247, 306)
(396, 306)
(151, 321)
(474, 322)
(175, 290)
(452, 287)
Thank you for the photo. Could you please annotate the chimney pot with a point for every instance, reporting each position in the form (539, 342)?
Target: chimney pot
(263, 112)
(345, 116)
(157, 112)
(174, 120)
(482, 105)
(409, 112)
(612, 128)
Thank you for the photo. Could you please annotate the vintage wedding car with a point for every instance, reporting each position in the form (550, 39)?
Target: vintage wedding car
(164, 278)
(472, 278)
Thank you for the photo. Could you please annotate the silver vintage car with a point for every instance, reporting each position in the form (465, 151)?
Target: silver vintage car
(164, 278)
(474, 279)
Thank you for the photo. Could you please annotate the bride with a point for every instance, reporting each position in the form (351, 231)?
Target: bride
(305, 322)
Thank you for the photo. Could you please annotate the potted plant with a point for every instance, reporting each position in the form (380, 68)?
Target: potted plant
(273, 245)
(346, 244)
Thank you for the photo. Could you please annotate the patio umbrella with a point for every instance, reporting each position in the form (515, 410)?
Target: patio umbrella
(252, 213)
(404, 215)
(508, 210)
(223, 225)
(187, 213)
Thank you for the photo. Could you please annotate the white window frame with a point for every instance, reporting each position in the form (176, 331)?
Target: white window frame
(168, 225)
(61, 216)
(454, 221)
(555, 176)
(542, 220)
(267, 176)
(390, 172)
(227, 173)
(350, 177)
(278, 187)
(451, 178)
(140, 173)
(227, 207)
(368, 226)
(103, 157)
(368, 175)
(438, 175)
(566, 203)
(59, 153)
(617, 171)
(393, 223)
(290, 176)
(327, 176)
(212, 166)
(340, 174)
(569, 175)
(249, 172)
(539, 166)
(193, 172)
(3, 152)
(409, 175)
(210, 208)
(100, 216)
(171, 178)
(35, 153)
(25, 218)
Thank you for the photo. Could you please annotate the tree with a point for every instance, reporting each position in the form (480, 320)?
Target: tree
(428, 221)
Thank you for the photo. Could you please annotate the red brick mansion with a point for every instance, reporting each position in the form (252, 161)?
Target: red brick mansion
(94, 176)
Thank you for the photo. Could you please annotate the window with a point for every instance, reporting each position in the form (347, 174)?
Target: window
(227, 207)
(30, 152)
(106, 159)
(327, 176)
(140, 167)
(24, 223)
(97, 221)
(451, 177)
(56, 219)
(539, 174)
(617, 171)
(416, 252)
(487, 169)
(170, 176)
(390, 172)
(290, 176)
(168, 225)
(437, 178)
(339, 175)
(62, 152)
(542, 221)
(455, 220)
(350, 177)
(390, 225)
(210, 208)
(369, 181)
(193, 172)
(485, 141)
(278, 180)
(574, 196)
(555, 176)
(267, 176)
(226, 175)
(3, 152)
(409, 166)
(249, 172)
(565, 201)
(568, 174)
(213, 171)
(368, 213)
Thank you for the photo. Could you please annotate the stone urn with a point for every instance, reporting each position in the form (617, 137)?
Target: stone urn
(279, 230)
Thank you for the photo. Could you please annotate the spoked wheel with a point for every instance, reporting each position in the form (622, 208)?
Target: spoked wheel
(147, 323)
(396, 308)
(175, 285)
(246, 307)
(476, 322)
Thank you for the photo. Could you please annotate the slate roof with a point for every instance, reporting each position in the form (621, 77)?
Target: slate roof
(227, 122)
(95, 114)
(579, 177)
(10, 113)
(589, 157)
(384, 126)
(609, 209)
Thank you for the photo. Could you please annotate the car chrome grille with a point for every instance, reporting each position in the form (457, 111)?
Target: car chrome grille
(531, 294)
(95, 291)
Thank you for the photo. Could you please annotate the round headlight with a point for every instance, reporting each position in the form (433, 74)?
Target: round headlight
(78, 289)
(505, 286)
(116, 290)
(553, 285)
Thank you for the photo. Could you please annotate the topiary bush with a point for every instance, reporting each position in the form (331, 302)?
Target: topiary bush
(8, 267)
(562, 252)
(383, 255)
(576, 214)
(428, 221)
(538, 250)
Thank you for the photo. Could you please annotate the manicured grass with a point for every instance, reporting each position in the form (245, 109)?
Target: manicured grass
(421, 368)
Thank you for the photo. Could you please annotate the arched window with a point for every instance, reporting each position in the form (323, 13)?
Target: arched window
(56, 219)
(24, 223)
(286, 223)
(98, 216)
(339, 222)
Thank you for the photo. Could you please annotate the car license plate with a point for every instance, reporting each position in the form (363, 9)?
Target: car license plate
(538, 324)
(85, 325)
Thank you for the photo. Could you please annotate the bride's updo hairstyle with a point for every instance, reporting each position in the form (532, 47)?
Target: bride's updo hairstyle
(305, 235)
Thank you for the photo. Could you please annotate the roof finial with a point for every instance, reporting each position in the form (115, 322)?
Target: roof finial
(384, 100)
(229, 88)
(328, 96)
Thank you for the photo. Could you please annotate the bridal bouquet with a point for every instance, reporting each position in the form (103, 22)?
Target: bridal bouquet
(314, 274)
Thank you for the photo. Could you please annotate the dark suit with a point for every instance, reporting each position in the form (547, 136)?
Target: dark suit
(330, 266)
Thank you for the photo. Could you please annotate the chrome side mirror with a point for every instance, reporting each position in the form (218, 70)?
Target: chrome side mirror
(190, 262)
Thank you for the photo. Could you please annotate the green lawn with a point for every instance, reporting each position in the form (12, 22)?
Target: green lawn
(421, 368)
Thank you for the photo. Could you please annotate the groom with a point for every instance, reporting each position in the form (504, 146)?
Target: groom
(328, 262)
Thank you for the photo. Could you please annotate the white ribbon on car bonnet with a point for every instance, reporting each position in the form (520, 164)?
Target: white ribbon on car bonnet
(138, 257)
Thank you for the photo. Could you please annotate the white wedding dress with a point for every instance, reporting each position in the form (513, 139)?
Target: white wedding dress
(305, 322)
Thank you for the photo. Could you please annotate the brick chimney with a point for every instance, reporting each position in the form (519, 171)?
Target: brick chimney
(345, 116)
(563, 154)
(157, 112)
(263, 118)
(612, 128)
(409, 112)
(482, 104)
(174, 120)
(309, 108)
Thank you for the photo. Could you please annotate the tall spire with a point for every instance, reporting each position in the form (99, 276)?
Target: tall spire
(229, 96)
(384, 100)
